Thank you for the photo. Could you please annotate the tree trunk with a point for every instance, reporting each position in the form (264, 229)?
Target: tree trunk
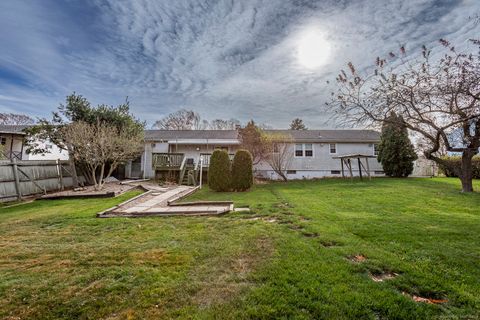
(93, 173)
(466, 175)
(282, 175)
(100, 178)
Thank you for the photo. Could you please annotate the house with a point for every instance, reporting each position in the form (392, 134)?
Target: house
(12, 139)
(178, 154)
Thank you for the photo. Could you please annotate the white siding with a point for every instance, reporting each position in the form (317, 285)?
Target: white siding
(54, 152)
(322, 163)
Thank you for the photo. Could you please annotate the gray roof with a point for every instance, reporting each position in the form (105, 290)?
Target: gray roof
(155, 135)
(12, 129)
(338, 135)
(297, 135)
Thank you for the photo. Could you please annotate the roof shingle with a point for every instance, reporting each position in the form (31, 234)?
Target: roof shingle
(297, 135)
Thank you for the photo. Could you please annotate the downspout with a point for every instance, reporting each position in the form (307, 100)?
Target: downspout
(144, 161)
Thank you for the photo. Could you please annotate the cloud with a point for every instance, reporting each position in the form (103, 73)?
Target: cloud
(221, 58)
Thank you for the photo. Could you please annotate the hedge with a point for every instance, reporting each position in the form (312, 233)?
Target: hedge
(219, 175)
(456, 161)
(242, 171)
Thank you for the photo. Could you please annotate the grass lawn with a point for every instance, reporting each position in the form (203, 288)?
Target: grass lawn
(288, 258)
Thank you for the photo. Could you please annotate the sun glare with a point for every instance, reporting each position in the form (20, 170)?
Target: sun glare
(313, 49)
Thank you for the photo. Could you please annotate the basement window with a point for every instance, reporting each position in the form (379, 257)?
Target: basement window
(379, 172)
(335, 172)
(291, 171)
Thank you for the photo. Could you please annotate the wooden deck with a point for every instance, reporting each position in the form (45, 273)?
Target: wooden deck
(188, 168)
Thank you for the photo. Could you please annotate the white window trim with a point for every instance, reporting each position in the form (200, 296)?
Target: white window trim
(295, 150)
(375, 144)
(330, 149)
(303, 150)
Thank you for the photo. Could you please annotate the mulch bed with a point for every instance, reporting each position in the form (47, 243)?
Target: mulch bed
(110, 190)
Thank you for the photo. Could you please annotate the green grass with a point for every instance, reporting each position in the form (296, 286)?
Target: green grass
(288, 258)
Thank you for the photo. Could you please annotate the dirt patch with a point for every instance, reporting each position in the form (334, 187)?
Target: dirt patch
(295, 227)
(110, 189)
(310, 234)
(283, 205)
(303, 218)
(329, 243)
(380, 277)
(357, 258)
(425, 299)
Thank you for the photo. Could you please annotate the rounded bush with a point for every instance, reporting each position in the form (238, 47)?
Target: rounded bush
(219, 175)
(242, 172)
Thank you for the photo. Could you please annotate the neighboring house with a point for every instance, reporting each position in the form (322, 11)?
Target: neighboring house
(12, 138)
(178, 152)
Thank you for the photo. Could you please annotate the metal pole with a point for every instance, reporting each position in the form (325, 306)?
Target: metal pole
(368, 170)
(360, 168)
(201, 172)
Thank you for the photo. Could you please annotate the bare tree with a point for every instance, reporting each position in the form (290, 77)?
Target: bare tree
(220, 124)
(439, 99)
(15, 119)
(279, 152)
(181, 120)
(100, 146)
(190, 120)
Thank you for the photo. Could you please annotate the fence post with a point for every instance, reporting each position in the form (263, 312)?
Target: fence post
(60, 174)
(17, 180)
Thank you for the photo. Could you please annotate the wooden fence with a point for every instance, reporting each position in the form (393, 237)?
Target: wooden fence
(30, 177)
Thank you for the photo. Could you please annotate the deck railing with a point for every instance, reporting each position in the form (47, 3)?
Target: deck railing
(12, 155)
(206, 158)
(167, 160)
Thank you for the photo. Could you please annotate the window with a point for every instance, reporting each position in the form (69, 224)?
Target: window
(3, 141)
(48, 147)
(299, 150)
(308, 150)
(375, 149)
(379, 172)
(303, 150)
(291, 171)
(335, 172)
(333, 148)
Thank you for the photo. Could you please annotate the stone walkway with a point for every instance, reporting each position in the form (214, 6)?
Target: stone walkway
(161, 201)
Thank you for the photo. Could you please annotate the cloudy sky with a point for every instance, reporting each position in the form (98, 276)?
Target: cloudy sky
(267, 60)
